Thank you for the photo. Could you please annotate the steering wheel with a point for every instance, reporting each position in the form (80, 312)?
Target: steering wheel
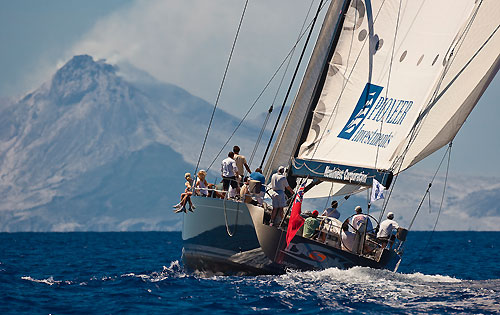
(348, 221)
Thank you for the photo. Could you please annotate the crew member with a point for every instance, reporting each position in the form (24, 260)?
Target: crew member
(279, 183)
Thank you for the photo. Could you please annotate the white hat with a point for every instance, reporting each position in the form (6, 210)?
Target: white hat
(281, 169)
(390, 215)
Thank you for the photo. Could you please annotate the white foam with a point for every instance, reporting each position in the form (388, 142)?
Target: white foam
(428, 278)
(49, 281)
(173, 271)
(364, 274)
(356, 284)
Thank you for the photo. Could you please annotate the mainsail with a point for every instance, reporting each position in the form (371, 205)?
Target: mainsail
(399, 79)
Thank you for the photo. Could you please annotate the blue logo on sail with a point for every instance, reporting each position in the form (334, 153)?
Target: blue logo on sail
(370, 94)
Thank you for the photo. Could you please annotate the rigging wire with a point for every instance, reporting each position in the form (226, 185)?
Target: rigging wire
(447, 152)
(442, 197)
(328, 198)
(221, 86)
(429, 202)
(259, 96)
(440, 205)
(264, 125)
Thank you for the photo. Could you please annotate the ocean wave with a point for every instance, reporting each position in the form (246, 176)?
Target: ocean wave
(347, 289)
(374, 291)
(358, 289)
(49, 280)
(175, 270)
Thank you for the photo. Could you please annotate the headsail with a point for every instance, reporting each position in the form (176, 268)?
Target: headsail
(400, 82)
(474, 63)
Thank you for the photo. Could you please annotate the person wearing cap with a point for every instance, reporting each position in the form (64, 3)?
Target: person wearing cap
(386, 227)
(186, 196)
(311, 225)
(359, 219)
(279, 183)
(348, 237)
(257, 176)
(332, 212)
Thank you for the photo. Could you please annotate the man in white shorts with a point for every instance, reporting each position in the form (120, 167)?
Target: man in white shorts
(279, 183)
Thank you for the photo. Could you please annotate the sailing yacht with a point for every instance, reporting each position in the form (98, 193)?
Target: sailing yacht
(388, 83)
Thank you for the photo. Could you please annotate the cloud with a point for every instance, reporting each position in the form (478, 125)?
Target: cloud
(187, 43)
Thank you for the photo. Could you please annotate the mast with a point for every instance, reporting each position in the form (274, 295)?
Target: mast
(293, 127)
(292, 81)
(321, 80)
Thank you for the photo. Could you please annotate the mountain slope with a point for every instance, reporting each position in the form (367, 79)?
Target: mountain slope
(134, 192)
(71, 151)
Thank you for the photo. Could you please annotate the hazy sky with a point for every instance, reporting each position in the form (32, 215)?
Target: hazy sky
(187, 43)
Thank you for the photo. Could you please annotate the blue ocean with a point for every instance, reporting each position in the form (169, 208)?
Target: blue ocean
(142, 273)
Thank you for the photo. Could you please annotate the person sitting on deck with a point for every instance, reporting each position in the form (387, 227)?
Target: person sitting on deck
(279, 183)
(186, 196)
(348, 237)
(202, 185)
(229, 172)
(257, 176)
(311, 225)
(332, 212)
(245, 192)
(386, 228)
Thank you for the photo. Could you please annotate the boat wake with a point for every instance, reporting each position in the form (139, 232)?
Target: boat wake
(357, 289)
(368, 289)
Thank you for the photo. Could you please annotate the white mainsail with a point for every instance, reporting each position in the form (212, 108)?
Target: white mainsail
(402, 79)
